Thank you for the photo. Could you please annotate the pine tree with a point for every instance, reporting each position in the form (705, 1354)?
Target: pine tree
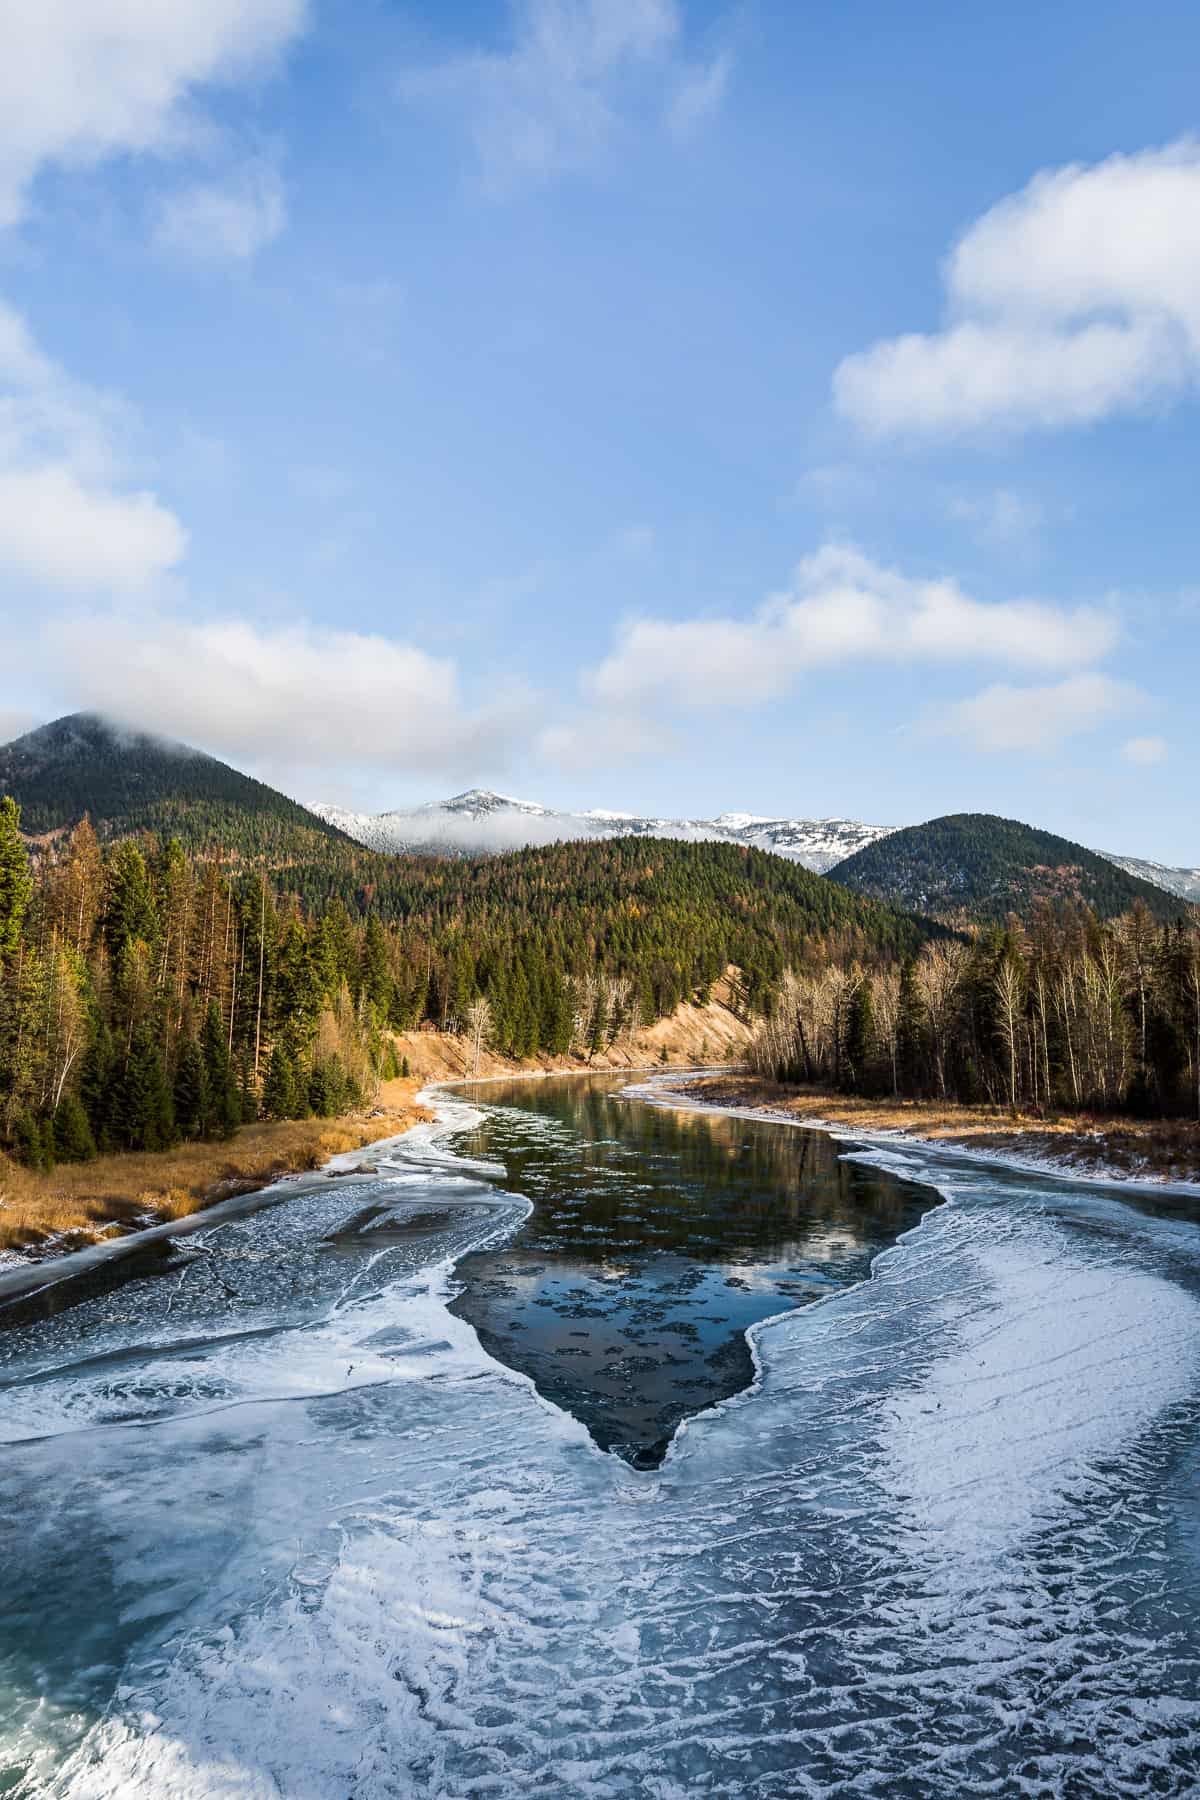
(16, 883)
(598, 1023)
(910, 1034)
(142, 1113)
(860, 1037)
(97, 1083)
(191, 1091)
(27, 1139)
(128, 900)
(223, 1114)
(247, 1092)
(279, 1099)
(319, 1101)
(73, 1140)
(377, 983)
(49, 1148)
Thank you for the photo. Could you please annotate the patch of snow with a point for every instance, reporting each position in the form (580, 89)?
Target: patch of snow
(1184, 882)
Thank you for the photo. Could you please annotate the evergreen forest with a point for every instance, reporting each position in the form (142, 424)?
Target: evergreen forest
(150, 993)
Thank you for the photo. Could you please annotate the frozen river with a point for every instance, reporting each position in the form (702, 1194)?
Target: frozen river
(274, 1522)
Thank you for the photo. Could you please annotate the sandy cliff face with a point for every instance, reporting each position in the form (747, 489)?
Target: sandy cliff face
(691, 1035)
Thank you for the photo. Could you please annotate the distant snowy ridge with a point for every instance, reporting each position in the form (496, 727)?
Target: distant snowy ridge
(481, 823)
(1184, 882)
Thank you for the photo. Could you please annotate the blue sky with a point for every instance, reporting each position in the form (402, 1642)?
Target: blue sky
(640, 403)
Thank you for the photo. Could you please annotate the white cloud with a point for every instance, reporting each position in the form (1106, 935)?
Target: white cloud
(841, 607)
(63, 533)
(593, 740)
(556, 99)
(1145, 752)
(1074, 299)
(83, 79)
(228, 220)
(1005, 718)
(699, 97)
(68, 517)
(290, 693)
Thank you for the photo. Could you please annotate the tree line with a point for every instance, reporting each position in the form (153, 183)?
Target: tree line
(148, 994)
(1072, 1012)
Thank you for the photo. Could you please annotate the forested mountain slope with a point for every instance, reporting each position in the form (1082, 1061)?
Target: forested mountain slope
(644, 904)
(146, 993)
(978, 866)
(129, 782)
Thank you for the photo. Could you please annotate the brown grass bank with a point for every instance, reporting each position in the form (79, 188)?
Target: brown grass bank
(1078, 1143)
(80, 1202)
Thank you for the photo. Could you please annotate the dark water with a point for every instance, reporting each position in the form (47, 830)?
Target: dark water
(657, 1237)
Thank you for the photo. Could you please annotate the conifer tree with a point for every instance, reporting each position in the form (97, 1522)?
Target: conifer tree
(73, 1140)
(128, 899)
(49, 1148)
(910, 1031)
(598, 1023)
(27, 1139)
(279, 1099)
(860, 1037)
(96, 1084)
(191, 1091)
(143, 1117)
(224, 1108)
(377, 982)
(16, 883)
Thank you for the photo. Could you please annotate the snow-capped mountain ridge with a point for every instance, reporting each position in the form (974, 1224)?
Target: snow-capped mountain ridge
(1184, 882)
(479, 822)
(478, 803)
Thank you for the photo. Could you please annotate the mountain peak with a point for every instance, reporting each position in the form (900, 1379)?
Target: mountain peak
(92, 733)
(483, 800)
(988, 867)
(128, 780)
(479, 822)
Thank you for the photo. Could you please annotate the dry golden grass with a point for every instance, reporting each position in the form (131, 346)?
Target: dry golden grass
(1168, 1148)
(80, 1202)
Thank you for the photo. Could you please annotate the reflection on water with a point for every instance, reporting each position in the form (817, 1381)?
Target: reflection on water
(657, 1238)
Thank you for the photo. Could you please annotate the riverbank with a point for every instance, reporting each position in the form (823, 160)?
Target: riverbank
(78, 1204)
(1100, 1147)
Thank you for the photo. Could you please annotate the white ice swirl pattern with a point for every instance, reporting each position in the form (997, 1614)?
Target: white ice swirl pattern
(947, 1545)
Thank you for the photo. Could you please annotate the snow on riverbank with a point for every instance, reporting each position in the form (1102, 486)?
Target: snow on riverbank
(678, 1089)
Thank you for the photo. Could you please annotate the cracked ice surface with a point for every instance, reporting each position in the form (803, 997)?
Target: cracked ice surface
(311, 1541)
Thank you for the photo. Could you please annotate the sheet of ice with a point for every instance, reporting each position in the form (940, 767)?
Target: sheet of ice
(945, 1546)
